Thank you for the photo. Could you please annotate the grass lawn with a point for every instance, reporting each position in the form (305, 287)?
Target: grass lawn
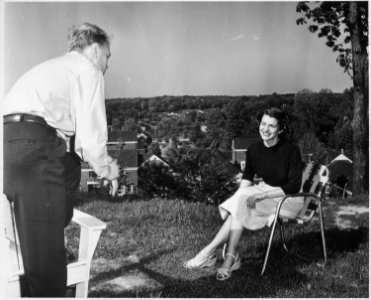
(161, 234)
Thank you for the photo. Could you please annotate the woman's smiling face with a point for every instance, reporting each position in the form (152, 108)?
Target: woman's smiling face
(269, 130)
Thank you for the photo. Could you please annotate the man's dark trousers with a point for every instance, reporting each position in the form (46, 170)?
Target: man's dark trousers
(41, 178)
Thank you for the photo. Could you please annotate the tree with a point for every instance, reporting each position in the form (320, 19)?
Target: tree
(156, 149)
(311, 148)
(343, 136)
(237, 118)
(200, 175)
(157, 180)
(196, 135)
(312, 112)
(130, 124)
(330, 19)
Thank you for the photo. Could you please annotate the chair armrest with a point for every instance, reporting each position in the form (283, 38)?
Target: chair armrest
(91, 229)
(87, 221)
(303, 195)
(300, 217)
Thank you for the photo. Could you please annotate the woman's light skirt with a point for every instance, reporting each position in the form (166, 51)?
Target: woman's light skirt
(264, 211)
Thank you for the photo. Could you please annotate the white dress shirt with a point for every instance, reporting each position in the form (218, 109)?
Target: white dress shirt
(68, 92)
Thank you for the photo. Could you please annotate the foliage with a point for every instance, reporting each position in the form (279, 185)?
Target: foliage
(155, 148)
(157, 180)
(343, 134)
(130, 124)
(351, 17)
(193, 175)
(311, 148)
(331, 20)
(238, 120)
(320, 113)
(199, 172)
(227, 117)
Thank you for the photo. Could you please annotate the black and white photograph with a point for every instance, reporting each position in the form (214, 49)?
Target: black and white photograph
(185, 149)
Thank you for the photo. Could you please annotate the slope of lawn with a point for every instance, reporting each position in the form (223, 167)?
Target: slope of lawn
(155, 237)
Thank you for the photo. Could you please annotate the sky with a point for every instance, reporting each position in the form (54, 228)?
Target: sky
(180, 48)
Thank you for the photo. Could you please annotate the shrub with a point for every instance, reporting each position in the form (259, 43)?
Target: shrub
(195, 175)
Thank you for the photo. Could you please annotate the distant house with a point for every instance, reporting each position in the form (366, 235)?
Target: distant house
(122, 146)
(239, 147)
(228, 155)
(185, 142)
(144, 140)
(341, 173)
(153, 158)
(89, 180)
(120, 140)
(128, 161)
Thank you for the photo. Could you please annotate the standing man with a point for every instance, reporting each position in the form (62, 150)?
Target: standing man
(55, 116)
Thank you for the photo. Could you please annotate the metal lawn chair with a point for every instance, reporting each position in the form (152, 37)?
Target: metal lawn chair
(314, 179)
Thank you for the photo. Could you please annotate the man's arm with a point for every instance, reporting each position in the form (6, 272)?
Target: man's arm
(91, 125)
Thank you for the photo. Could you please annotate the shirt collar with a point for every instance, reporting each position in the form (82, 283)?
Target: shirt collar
(76, 53)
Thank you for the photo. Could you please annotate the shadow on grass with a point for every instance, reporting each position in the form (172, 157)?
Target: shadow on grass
(338, 241)
(282, 272)
(242, 284)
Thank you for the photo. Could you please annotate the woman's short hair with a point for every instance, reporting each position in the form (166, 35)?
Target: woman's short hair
(85, 35)
(282, 118)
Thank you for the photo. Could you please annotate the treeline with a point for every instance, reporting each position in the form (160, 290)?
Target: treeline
(321, 120)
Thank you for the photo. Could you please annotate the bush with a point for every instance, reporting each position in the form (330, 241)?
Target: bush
(156, 180)
(195, 175)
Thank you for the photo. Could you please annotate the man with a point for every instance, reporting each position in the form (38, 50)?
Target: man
(54, 116)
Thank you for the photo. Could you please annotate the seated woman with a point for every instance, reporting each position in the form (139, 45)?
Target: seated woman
(278, 162)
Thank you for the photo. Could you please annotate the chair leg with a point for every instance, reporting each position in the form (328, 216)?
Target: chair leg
(285, 247)
(269, 246)
(322, 232)
(16, 238)
(82, 289)
(282, 230)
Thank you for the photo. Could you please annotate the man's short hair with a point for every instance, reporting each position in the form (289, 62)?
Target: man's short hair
(85, 35)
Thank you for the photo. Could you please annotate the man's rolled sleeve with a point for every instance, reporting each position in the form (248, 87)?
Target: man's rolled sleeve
(91, 122)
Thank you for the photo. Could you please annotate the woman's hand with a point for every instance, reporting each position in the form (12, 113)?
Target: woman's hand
(250, 201)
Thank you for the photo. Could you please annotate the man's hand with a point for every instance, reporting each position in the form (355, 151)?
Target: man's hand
(113, 187)
(114, 170)
(114, 173)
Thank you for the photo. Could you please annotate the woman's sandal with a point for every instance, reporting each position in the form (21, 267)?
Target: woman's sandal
(201, 260)
(225, 273)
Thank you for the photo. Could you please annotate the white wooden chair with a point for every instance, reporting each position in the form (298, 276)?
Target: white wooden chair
(77, 272)
(314, 179)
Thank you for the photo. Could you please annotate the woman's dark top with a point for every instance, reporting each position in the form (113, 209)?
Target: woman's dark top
(279, 166)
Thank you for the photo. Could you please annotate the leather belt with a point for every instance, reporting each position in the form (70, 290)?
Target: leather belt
(24, 118)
